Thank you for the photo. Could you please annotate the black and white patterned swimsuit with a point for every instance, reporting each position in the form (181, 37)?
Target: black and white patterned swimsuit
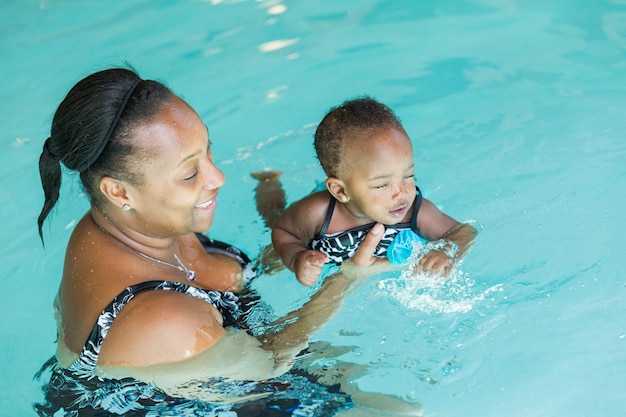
(77, 390)
(225, 302)
(343, 245)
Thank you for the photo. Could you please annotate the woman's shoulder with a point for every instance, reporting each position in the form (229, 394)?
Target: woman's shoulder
(160, 327)
(93, 275)
(93, 255)
(87, 237)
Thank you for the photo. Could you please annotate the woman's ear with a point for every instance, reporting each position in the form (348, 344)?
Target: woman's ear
(337, 189)
(114, 191)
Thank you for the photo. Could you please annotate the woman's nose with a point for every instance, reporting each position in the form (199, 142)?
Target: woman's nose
(214, 178)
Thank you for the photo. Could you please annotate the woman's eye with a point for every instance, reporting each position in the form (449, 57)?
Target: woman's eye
(192, 176)
(381, 186)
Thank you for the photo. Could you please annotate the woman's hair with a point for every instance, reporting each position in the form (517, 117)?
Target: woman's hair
(349, 121)
(91, 132)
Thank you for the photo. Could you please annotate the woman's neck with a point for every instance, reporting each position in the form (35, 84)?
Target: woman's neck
(162, 247)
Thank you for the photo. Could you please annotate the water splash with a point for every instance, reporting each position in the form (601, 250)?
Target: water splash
(434, 294)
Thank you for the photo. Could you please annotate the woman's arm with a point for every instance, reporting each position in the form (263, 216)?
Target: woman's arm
(297, 326)
(203, 349)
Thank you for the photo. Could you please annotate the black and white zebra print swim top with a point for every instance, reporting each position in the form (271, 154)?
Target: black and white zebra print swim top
(227, 303)
(343, 245)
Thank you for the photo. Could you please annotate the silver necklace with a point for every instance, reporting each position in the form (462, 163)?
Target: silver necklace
(190, 273)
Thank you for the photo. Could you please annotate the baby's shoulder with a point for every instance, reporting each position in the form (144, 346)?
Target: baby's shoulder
(307, 213)
(314, 203)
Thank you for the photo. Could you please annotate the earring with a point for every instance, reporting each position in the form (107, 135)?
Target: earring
(126, 207)
(344, 198)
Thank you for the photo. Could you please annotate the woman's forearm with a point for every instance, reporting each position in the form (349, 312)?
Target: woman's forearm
(294, 330)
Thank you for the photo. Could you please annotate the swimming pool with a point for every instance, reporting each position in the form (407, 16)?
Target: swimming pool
(516, 111)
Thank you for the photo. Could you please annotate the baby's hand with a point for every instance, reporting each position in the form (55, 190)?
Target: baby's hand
(436, 262)
(308, 266)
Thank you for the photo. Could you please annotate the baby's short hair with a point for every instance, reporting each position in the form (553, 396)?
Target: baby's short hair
(346, 121)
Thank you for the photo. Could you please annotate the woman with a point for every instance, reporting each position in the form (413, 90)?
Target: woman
(148, 307)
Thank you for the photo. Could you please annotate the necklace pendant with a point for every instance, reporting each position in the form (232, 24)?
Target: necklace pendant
(191, 276)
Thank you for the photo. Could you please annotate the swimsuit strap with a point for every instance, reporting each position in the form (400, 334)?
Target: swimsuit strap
(416, 207)
(329, 215)
(215, 246)
(88, 358)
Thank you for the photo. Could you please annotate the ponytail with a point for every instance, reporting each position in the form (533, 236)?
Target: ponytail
(50, 173)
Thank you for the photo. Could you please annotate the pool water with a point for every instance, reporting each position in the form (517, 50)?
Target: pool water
(516, 110)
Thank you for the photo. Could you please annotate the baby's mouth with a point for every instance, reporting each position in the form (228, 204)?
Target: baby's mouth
(400, 210)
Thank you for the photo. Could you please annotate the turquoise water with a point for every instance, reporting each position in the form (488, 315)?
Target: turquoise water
(516, 109)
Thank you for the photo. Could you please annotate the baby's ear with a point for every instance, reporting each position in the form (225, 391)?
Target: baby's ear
(337, 189)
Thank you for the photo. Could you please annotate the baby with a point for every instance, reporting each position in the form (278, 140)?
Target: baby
(368, 159)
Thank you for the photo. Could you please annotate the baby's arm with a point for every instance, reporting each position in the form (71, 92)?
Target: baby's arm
(435, 225)
(306, 263)
(293, 230)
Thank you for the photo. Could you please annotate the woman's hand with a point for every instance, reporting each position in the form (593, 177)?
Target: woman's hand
(364, 257)
(298, 325)
(308, 264)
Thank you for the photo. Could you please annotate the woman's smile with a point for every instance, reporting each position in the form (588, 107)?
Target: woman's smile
(207, 206)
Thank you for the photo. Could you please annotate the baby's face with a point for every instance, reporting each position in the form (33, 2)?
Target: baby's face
(378, 175)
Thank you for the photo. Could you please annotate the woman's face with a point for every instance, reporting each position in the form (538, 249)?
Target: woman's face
(378, 175)
(180, 182)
